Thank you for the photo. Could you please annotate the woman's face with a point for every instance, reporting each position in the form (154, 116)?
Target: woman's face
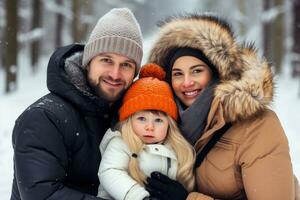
(190, 76)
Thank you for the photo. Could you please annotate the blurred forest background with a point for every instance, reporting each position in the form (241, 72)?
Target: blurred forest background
(36, 27)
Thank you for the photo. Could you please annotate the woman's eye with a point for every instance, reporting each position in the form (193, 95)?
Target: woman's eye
(197, 71)
(176, 74)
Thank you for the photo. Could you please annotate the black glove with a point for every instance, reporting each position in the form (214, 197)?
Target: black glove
(150, 198)
(164, 188)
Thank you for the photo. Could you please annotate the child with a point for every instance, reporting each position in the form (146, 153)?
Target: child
(147, 140)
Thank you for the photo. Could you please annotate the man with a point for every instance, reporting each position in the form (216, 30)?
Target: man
(56, 140)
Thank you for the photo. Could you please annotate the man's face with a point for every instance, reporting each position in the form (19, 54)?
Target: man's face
(110, 74)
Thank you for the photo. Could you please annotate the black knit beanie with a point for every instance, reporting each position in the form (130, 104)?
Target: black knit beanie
(187, 51)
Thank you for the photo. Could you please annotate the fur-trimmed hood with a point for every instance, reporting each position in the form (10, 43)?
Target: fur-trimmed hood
(246, 80)
(67, 79)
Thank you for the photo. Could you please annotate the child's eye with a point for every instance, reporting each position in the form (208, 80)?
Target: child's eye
(158, 120)
(141, 118)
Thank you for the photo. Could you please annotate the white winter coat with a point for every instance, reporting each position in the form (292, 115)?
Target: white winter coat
(115, 182)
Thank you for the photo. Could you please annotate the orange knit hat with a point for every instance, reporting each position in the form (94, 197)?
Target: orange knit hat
(149, 92)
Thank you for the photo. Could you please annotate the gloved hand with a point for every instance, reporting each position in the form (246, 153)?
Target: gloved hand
(164, 188)
(150, 198)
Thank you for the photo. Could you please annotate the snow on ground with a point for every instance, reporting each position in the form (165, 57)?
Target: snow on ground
(287, 106)
(30, 88)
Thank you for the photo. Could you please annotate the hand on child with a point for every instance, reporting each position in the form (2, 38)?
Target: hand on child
(164, 188)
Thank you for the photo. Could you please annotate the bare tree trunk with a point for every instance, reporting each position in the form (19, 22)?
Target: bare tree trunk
(36, 23)
(242, 8)
(296, 41)
(2, 49)
(76, 21)
(278, 38)
(267, 32)
(2, 43)
(59, 26)
(296, 30)
(88, 10)
(11, 47)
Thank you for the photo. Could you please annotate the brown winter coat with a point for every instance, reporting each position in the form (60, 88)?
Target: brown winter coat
(251, 161)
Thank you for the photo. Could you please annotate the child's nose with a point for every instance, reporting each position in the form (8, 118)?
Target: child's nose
(149, 126)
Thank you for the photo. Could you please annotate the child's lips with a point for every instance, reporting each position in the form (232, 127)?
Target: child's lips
(148, 136)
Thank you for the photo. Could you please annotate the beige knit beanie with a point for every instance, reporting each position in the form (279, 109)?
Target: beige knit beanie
(117, 32)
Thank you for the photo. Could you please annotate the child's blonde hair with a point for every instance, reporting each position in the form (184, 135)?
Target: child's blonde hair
(184, 152)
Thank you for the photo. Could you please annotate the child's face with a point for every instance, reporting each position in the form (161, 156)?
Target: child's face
(151, 128)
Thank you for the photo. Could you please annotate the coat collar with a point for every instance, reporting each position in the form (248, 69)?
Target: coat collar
(66, 78)
(215, 121)
(161, 150)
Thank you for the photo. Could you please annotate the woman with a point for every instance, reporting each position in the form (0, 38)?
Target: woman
(219, 83)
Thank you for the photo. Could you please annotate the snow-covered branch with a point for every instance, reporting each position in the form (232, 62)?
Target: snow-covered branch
(30, 36)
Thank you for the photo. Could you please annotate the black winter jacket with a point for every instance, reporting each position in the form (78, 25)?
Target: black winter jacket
(56, 140)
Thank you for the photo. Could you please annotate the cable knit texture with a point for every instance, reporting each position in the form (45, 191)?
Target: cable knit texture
(149, 93)
(117, 31)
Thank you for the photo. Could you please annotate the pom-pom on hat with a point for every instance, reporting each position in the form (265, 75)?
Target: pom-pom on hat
(149, 92)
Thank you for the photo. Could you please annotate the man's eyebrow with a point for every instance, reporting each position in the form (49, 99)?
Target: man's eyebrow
(109, 56)
(131, 61)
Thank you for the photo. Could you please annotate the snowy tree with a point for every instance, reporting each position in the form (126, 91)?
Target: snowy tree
(11, 45)
(278, 35)
(267, 31)
(273, 32)
(59, 25)
(36, 25)
(296, 39)
(2, 23)
(76, 21)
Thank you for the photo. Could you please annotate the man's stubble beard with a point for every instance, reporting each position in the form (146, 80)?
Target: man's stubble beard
(98, 91)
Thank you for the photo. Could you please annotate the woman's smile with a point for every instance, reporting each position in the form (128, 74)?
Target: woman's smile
(192, 94)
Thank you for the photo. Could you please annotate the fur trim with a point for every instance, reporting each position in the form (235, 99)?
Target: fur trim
(246, 87)
(76, 74)
(252, 94)
(206, 33)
